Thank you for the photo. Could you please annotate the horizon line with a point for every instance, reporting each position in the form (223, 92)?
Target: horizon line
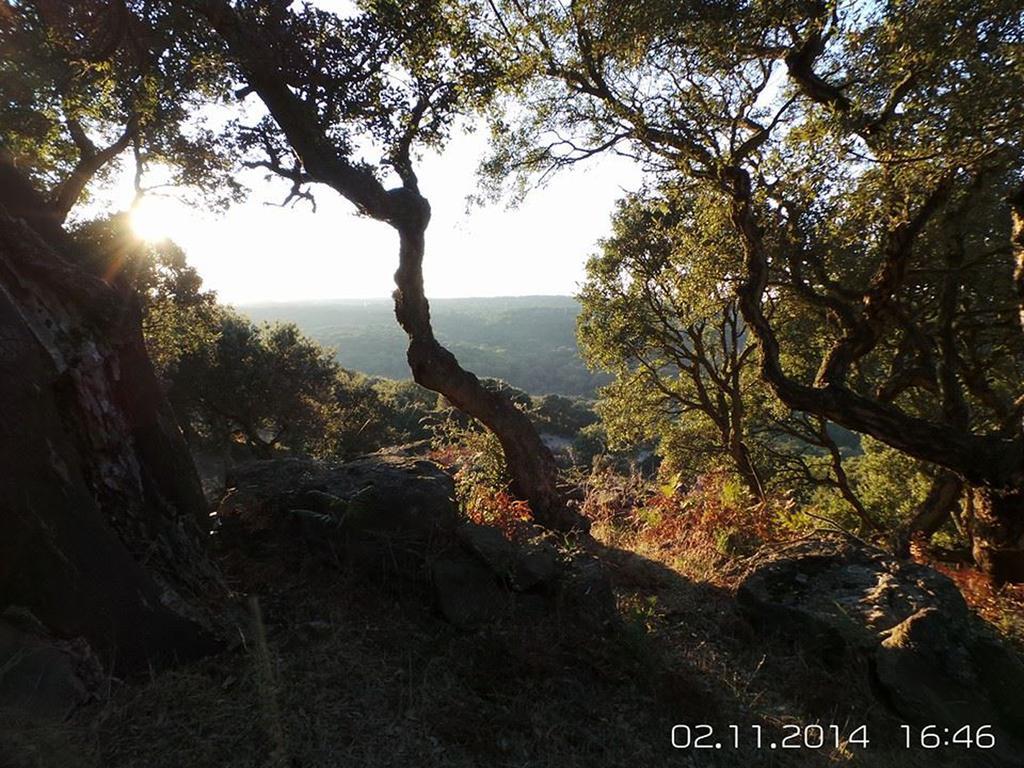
(257, 302)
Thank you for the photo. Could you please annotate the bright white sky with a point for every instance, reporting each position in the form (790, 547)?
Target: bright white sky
(258, 252)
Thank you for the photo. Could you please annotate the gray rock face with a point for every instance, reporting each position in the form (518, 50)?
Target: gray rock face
(43, 677)
(523, 567)
(933, 661)
(101, 513)
(467, 592)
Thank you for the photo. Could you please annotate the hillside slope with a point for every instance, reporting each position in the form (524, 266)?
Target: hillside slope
(529, 341)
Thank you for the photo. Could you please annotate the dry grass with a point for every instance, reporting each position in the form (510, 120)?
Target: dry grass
(367, 676)
(1002, 606)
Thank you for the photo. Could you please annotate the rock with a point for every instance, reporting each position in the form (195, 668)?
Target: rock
(949, 673)
(42, 677)
(467, 593)
(585, 596)
(577, 589)
(102, 520)
(384, 509)
(396, 512)
(522, 567)
(491, 546)
(537, 564)
(931, 659)
(839, 594)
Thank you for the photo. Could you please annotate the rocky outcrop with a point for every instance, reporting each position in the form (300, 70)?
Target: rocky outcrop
(382, 511)
(101, 514)
(931, 660)
(391, 514)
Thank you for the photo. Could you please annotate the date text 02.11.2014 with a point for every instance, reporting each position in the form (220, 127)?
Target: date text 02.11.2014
(816, 736)
(813, 736)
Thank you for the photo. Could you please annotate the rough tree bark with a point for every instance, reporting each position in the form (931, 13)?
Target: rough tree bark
(530, 463)
(1017, 243)
(997, 533)
(102, 520)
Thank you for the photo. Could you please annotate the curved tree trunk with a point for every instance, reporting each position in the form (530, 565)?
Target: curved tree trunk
(531, 464)
(101, 513)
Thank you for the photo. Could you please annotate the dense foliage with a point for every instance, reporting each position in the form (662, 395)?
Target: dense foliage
(858, 163)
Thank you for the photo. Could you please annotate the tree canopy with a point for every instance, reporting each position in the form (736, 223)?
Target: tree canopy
(844, 179)
(866, 159)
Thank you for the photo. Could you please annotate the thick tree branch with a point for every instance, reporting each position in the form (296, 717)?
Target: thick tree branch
(91, 162)
(880, 294)
(982, 459)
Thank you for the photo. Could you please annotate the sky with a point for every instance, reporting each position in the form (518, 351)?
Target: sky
(259, 252)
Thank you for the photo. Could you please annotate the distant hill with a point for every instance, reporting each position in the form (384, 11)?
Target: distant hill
(529, 341)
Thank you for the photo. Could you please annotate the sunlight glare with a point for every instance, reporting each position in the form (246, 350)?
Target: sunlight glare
(158, 218)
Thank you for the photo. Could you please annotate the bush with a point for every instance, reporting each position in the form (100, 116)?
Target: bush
(697, 530)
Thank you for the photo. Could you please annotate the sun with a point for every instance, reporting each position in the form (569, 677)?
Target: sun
(155, 218)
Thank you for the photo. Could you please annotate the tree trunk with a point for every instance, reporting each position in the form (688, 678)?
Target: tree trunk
(102, 519)
(998, 534)
(842, 480)
(745, 468)
(936, 509)
(530, 462)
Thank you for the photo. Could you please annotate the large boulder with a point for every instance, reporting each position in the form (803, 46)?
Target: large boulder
(44, 677)
(467, 593)
(523, 566)
(931, 659)
(101, 513)
(382, 510)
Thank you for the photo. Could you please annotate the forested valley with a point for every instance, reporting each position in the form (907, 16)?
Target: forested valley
(754, 495)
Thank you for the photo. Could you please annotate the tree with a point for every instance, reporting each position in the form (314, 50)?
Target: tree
(270, 386)
(562, 416)
(85, 83)
(359, 420)
(393, 78)
(409, 406)
(179, 317)
(666, 326)
(867, 158)
(659, 311)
